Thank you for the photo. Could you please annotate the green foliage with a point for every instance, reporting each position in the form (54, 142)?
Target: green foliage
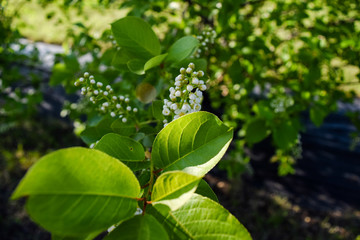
(199, 219)
(194, 144)
(76, 193)
(136, 37)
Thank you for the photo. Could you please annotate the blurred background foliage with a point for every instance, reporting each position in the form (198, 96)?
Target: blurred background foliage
(273, 64)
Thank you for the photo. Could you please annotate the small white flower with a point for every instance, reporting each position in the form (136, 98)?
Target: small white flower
(201, 82)
(197, 107)
(118, 106)
(99, 84)
(135, 110)
(105, 93)
(182, 70)
(127, 100)
(112, 114)
(102, 109)
(189, 88)
(177, 111)
(92, 81)
(203, 87)
(195, 81)
(83, 89)
(92, 145)
(176, 117)
(108, 87)
(192, 96)
(177, 93)
(166, 112)
(86, 75)
(114, 98)
(179, 78)
(191, 65)
(165, 121)
(189, 70)
(174, 106)
(105, 104)
(92, 99)
(76, 84)
(124, 120)
(91, 77)
(198, 100)
(128, 108)
(96, 92)
(81, 79)
(121, 98)
(200, 74)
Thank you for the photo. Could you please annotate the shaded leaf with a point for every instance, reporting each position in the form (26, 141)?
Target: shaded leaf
(155, 61)
(182, 49)
(125, 149)
(139, 227)
(205, 190)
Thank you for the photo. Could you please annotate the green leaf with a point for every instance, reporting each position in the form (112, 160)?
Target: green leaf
(139, 228)
(256, 131)
(155, 61)
(317, 115)
(156, 109)
(77, 191)
(193, 143)
(205, 190)
(124, 129)
(125, 149)
(200, 218)
(285, 134)
(136, 66)
(136, 36)
(182, 49)
(94, 133)
(174, 189)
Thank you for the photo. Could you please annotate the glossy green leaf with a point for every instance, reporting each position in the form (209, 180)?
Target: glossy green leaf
(200, 218)
(136, 36)
(205, 190)
(139, 228)
(77, 191)
(182, 49)
(256, 131)
(94, 133)
(125, 149)
(136, 66)
(194, 143)
(174, 188)
(155, 61)
(121, 128)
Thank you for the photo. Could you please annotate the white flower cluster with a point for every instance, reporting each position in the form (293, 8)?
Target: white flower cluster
(281, 103)
(206, 38)
(105, 97)
(186, 96)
